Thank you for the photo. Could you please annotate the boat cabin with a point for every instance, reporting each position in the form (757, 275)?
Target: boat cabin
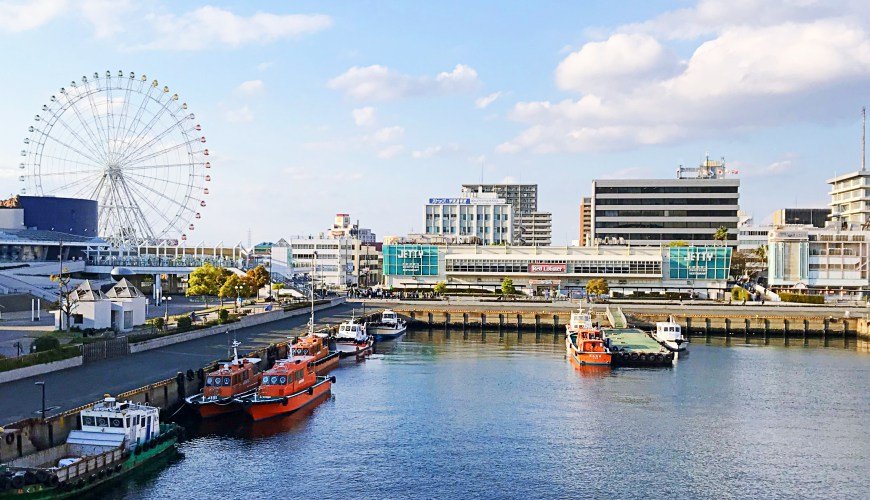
(288, 377)
(123, 423)
(309, 345)
(580, 320)
(231, 379)
(668, 331)
(352, 331)
(389, 317)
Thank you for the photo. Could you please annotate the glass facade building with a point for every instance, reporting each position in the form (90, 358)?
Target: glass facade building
(411, 260)
(708, 263)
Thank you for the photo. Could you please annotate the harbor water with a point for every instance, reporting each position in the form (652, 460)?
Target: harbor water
(438, 415)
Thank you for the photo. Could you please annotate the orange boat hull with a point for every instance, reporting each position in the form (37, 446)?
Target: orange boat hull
(261, 409)
(211, 410)
(591, 358)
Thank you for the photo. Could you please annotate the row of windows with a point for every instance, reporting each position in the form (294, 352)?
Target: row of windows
(666, 201)
(469, 216)
(666, 213)
(664, 189)
(522, 266)
(663, 237)
(326, 246)
(666, 225)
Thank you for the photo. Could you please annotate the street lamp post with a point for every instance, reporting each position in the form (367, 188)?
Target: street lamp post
(238, 296)
(166, 309)
(42, 385)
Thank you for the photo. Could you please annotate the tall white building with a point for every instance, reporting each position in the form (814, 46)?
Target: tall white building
(471, 215)
(530, 227)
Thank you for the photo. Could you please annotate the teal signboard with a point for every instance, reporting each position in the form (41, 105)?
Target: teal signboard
(711, 263)
(410, 260)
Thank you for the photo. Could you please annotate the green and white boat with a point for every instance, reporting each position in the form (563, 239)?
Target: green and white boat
(115, 439)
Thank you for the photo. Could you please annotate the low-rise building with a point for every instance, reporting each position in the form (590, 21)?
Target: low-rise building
(817, 217)
(702, 271)
(334, 259)
(819, 260)
(121, 308)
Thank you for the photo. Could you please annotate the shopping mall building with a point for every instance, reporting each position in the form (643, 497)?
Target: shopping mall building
(701, 270)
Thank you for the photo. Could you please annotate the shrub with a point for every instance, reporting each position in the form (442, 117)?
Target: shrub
(801, 298)
(223, 316)
(159, 323)
(184, 323)
(39, 358)
(739, 293)
(46, 343)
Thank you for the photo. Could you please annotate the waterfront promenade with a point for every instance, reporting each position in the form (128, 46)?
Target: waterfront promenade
(87, 383)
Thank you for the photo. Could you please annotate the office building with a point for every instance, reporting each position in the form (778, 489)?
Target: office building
(334, 260)
(474, 214)
(819, 260)
(536, 229)
(816, 217)
(585, 235)
(689, 208)
(850, 199)
(701, 271)
(529, 225)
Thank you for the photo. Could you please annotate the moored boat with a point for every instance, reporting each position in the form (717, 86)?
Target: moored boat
(670, 335)
(352, 339)
(115, 438)
(633, 347)
(233, 378)
(584, 343)
(390, 326)
(289, 385)
(313, 345)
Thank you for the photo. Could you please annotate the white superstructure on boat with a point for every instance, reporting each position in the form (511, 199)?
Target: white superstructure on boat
(670, 335)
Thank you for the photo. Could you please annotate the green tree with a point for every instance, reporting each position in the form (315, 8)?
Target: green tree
(206, 280)
(721, 234)
(440, 288)
(68, 298)
(761, 254)
(229, 290)
(678, 243)
(597, 286)
(159, 322)
(507, 287)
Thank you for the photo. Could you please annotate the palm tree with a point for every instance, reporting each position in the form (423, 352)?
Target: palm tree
(721, 234)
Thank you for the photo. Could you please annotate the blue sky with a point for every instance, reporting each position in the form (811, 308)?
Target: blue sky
(313, 108)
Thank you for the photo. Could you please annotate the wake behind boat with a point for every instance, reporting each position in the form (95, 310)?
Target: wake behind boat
(390, 326)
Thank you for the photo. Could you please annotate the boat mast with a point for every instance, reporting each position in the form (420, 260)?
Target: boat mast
(311, 321)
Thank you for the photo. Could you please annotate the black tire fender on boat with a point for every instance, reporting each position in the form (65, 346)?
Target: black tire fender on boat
(17, 481)
(670, 356)
(118, 468)
(189, 374)
(660, 357)
(10, 438)
(332, 379)
(311, 391)
(642, 357)
(284, 401)
(633, 356)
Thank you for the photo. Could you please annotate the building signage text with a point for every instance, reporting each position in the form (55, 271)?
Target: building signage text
(548, 268)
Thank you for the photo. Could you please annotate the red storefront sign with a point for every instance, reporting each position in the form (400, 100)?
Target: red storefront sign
(548, 268)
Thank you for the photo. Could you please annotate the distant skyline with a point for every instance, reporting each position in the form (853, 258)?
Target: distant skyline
(370, 108)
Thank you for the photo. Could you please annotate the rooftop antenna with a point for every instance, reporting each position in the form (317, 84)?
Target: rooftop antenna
(863, 137)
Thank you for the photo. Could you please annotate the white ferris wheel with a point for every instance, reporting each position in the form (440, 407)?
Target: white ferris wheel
(128, 143)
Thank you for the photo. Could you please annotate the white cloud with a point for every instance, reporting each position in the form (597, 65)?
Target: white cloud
(106, 16)
(208, 27)
(364, 117)
(390, 152)
(614, 63)
(388, 134)
(239, 115)
(26, 15)
(263, 66)
(380, 83)
(483, 102)
(741, 78)
(251, 87)
(433, 151)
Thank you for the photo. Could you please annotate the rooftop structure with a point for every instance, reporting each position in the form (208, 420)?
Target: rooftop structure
(472, 215)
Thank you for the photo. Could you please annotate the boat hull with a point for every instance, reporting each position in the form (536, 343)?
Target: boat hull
(265, 408)
(347, 350)
(324, 365)
(217, 407)
(388, 333)
(642, 359)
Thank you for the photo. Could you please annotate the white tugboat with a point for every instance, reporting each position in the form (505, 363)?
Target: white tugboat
(390, 327)
(115, 438)
(670, 335)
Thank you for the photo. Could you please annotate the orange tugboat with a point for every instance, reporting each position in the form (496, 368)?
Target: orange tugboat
(312, 345)
(289, 385)
(584, 343)
(232, 379)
